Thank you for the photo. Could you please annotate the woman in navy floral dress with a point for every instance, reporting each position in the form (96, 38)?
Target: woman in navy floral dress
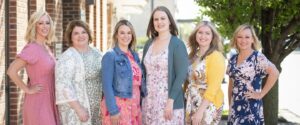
(246, 70)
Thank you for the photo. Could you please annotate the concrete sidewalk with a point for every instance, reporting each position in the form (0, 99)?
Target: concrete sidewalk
(285, 117)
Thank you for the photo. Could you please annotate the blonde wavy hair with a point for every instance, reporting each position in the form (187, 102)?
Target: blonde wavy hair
(31, 28)
(216, 43)
(233, 42)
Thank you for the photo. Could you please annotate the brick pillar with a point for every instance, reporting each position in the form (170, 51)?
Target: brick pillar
(71, 11)
(90, 19)
(32, 7)
(12, 53)
(55, 11)
(109, 24)
(13, 48)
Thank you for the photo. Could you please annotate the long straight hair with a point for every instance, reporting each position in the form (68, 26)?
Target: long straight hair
(151, 32)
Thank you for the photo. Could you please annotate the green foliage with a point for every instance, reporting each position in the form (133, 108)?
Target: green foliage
(228, 14)
(141, 41)
(277, 24)
(225, 112)
(185, 30)
(226, 48)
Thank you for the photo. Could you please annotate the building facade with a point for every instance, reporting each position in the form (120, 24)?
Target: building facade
(101, 15)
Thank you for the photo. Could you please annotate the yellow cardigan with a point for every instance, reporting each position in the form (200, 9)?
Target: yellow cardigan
(215, 71)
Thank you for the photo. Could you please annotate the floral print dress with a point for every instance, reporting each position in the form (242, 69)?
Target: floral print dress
(130, 110)
(157, 85)
(247, 76)
(194, 96)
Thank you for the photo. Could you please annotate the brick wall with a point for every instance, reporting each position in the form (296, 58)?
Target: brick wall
(61, 11)
(32, 7)
(109, 24)
(55, 11)
(12, 53)
(71, 11)
(93, 18)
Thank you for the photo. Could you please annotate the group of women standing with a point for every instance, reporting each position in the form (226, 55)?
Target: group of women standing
(138, 92)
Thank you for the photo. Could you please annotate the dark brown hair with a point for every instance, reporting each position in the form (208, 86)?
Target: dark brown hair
(70, 28)
(151, 33)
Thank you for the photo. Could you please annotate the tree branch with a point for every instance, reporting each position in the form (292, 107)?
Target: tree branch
(286, 30)
(290, 46)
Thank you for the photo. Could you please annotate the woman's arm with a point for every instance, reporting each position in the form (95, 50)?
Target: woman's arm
(65, 85)
(230, 85)
(81, 112)
(198, 116)
(180, 61)
(12, 72)
(273, 75)
(272, 78)
(215, 70)
(107, 81)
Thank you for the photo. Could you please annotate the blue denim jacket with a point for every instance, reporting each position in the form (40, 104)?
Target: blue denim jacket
(117, 77)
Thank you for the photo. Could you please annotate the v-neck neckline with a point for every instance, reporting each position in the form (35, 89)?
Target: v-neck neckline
(243, 61)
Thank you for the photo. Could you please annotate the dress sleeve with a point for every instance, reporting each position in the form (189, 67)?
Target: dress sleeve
(29, 54)
(262, 64)
(64, 78)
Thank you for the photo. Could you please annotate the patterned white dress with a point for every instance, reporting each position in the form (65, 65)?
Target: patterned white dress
(78, 78)
(157, 85)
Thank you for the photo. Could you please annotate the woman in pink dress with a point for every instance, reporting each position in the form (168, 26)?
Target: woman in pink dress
(122, 79)
(38, 60)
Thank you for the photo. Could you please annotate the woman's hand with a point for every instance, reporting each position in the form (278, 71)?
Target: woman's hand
(115, 119)
(168, 112)
(82, 114)
(33, 89)
(197, 117)
(253, 95)
(196, 75)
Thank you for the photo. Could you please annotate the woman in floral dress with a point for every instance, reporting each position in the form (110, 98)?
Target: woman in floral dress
(165, 64)
(77, 78)
(246, 70)
(122, 79)
(206, 72)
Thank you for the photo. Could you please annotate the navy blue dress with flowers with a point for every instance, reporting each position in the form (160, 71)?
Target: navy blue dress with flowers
(247, 76)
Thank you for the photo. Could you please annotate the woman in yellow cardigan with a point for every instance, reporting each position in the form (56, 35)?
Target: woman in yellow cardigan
(206, 72)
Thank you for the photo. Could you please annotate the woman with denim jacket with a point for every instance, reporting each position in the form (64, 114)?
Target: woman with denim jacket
(122, 79)
(165, 61)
